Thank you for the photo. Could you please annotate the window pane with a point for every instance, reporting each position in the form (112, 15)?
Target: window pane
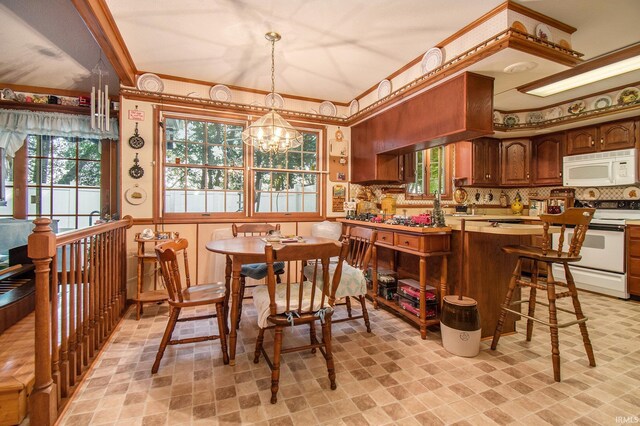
(235, 179)
(64, 172)
(88, 200)
(195, 201)
(195, 131)
(263, 202)
(310, 202)
(216, 133)
(89, 173)
(234, 135)
(39, 202)
(215, 179)
(89, 149)
(235, 156)
(174, 178)
(278, 161)
(39, 171)
(174, 201)
(64, 148)
(279, 181)
(195, 153)
(310, 142)
(175, 150)
(175, 129)
(65, 223)
(33, 146)
(261, 159)
(7, 210)
(310, 183)
(215, 202)
(309, 162)
(195, 180)
(294, 160)
(234, 202)
(65, 201)
(295, 181)
(263, 181)
(215, 155)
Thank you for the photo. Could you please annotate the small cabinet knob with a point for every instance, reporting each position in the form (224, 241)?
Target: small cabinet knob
(601, 141)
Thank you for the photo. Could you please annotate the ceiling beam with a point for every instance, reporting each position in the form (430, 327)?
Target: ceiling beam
(101, 24)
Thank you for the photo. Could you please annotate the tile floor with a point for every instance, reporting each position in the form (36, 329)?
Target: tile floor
(390, 376)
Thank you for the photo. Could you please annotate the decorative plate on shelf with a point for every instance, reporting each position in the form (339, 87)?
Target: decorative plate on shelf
(543, 32)
(354, 107)
(590, 194)
(517, 25)
(576, 107)
(602, 102)
(628, 96)
(328, 108)
(535, 117)
(497, 117)
(278, 101)
(384, 89)
(631, 193)
(135, 195)
(431, 60)
(511, 120)
(150, 83)
(554, 113)
(220, 92)
(564, 43)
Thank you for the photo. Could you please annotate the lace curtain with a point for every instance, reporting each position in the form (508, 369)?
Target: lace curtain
(15, 125)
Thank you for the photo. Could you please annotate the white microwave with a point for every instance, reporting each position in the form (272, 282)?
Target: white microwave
(609, 168)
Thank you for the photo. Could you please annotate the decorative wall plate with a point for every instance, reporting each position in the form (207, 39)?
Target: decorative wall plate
(278, 101)
(564, 43)
(431, 60)
(631, 193)
(543, 32)
(136, 171)
(497, 117)
(511, 120)
(136, 141)
(628, 96)
(554, 113)
(519, 26)
(576, 107)
(535, 117)
(602, 102)
(150, 83)
(135, 195)
(590, 194)
(384, 89)
(328, 108)
(354, 107)
(220, 92)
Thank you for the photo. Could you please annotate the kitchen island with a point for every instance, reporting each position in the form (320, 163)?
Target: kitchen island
(411, 252)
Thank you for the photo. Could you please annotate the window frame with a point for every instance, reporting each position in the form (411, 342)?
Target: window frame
(248, 214)
(447, 194)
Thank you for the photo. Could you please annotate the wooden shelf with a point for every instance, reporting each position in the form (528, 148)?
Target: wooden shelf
(404, 313)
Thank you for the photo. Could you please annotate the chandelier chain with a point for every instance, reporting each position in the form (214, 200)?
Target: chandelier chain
(273, 73)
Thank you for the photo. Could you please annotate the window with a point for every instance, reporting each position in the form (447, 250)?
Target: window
(433, 173)
(6, 178)
(63, 180)
(208, 170)
(287, 183)
(204, 167)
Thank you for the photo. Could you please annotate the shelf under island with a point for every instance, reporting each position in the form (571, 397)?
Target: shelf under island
(412, 253)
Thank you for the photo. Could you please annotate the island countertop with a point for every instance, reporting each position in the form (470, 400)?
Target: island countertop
(486, 227)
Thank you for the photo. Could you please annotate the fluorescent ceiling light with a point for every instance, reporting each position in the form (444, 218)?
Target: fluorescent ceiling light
(603, 67)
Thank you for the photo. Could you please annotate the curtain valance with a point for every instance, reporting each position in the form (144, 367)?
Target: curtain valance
(15, 125)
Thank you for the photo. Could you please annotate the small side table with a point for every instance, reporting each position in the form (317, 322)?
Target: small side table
(150, 296)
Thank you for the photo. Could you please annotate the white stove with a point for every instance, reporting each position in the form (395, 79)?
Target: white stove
(603, 268)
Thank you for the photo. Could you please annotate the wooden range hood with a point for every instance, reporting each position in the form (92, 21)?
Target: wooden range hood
(456, 110)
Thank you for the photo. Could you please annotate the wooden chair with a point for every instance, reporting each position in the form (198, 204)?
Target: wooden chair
(290, 304)
(187, 297)
(257, 271)
(361, 246)
(579, 218)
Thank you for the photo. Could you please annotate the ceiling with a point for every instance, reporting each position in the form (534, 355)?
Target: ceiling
(330, 49)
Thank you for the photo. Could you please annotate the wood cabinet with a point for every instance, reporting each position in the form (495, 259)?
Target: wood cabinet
(515, 162)
(605, 137)
(633, 259)
(546, 165)
(477, 162)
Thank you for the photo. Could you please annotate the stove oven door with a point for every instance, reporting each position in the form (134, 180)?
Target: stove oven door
(603, 248)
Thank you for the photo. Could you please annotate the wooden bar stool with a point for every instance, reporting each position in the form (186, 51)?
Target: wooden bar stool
(579, 218)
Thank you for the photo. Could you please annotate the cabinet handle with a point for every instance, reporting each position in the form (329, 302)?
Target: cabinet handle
(601, 141)
(592, 141)
(489, 176)
(406, 242)
(383, 238)
(560, 174)
(527, 175)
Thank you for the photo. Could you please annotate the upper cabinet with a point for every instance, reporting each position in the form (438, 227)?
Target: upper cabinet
(515, 162)
(546, 167)
(477, 162)
(605, 137)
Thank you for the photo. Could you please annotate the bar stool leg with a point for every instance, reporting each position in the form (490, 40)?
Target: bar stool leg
(507, 302)
(553, 324)
(347, 302)
(579, 315)
(532, 300)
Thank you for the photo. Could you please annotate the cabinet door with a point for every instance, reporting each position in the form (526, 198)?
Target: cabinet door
(363, 158)
(633, 259)
(479, 174)
(492, 161)
(617, 135)
(515, 157)
(546, 163)
(582, 141)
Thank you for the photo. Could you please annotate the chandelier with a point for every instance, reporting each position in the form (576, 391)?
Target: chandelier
(271, 133)
(100, 97)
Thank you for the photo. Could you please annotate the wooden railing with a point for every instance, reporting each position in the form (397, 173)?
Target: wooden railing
(80, 298)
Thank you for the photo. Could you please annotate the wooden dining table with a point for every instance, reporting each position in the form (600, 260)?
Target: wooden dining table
(241, 251)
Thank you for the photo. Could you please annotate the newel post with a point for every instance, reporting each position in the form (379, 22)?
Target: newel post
(41, 249)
